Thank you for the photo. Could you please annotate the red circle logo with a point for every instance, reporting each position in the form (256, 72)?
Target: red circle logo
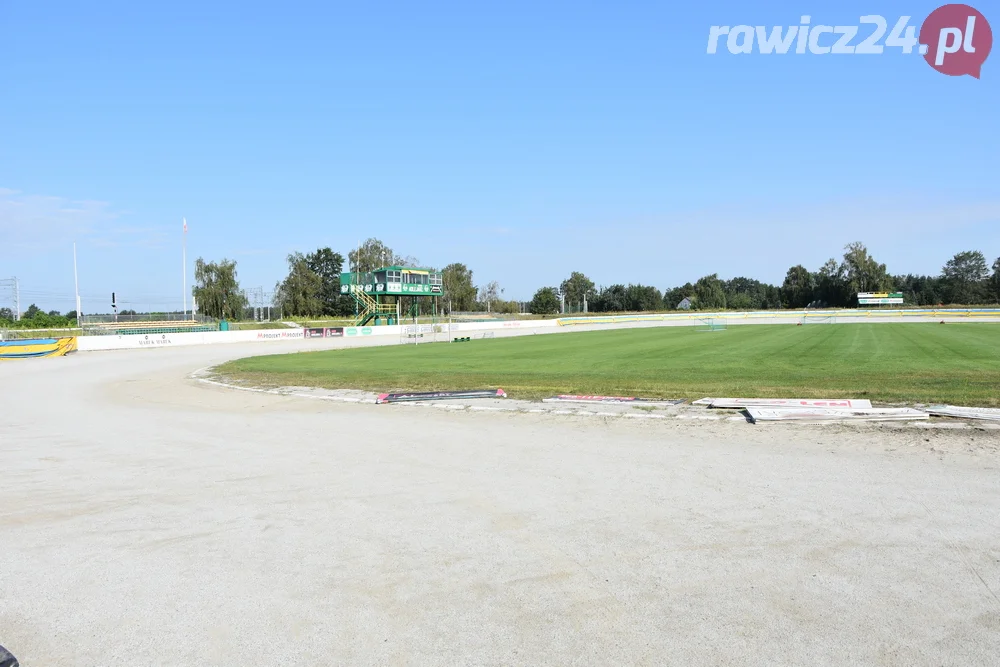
(956, 40)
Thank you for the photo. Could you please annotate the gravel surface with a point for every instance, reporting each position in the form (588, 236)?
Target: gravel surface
(147, 518)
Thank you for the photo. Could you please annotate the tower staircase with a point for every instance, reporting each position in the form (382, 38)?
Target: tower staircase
(369, 308)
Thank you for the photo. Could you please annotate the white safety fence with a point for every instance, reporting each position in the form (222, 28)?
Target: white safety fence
(448, 330)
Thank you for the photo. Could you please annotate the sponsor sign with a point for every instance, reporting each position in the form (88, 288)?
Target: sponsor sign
(277, 335)
(870, 298)
(148, 341)
(394, 288)
(351, 331)
(366, 331)
(333, 332)
(440, 395)
(797, 403)
(315, 333)
(573, 398)
(813, 415)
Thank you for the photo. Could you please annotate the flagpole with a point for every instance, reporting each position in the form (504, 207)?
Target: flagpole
(184, 270)
(76, 282)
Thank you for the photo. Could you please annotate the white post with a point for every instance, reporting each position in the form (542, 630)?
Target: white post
(184, 271)
(17, 300)
(76, 282)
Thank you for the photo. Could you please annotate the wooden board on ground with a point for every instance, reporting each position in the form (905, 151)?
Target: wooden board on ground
(819, 415)
(440, 395)
(992, 414)
(628, 400)
(849, 403)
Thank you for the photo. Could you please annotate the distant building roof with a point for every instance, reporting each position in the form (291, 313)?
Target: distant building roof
(685, 304)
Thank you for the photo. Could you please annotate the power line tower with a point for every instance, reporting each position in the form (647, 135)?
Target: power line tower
(255, 299)
(11, 287)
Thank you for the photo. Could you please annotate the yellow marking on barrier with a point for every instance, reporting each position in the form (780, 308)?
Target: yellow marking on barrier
(32, 349)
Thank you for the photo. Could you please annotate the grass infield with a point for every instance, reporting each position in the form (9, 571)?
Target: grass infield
(894, 363)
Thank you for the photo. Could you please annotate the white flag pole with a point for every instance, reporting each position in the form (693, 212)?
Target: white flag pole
(184, 270)
(76, 282)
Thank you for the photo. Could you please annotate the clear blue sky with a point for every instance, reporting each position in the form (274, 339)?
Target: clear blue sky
(525, 139)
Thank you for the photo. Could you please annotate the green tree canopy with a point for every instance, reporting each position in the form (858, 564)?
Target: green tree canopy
(576, 287)
(710, 292)
(862, 272)
(301, 292)
(965, 278)
(217, 289)
(373, 254)
(545, 301)
(831, 288)
(328, 265)
(459, 292)
(797, 289)
(995, 280)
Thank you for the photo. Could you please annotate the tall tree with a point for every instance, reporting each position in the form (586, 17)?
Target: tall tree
(373, 254)
(750, 294)
(643, 298)
(797, 290)
(965, 277)
(831, 288)
(545, 302)
(862, 272)
(328, 264)
(710, 292)
(995, 280)
(459, 291)
(919, 290)
(612, 299)
(301, 292)
(489, 294)
(217, 289)
(577, 287)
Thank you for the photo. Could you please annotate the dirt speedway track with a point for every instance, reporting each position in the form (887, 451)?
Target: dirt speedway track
(147, 519)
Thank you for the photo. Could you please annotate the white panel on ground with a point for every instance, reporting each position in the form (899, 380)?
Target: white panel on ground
(852, 403)
(992, 414)
(812, 415)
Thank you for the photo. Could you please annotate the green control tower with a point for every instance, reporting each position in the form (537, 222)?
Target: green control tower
(379, 295)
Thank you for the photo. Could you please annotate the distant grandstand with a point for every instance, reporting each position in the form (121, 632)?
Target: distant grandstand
(146, 323)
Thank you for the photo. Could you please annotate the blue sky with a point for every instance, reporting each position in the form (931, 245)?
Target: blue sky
(524, 139)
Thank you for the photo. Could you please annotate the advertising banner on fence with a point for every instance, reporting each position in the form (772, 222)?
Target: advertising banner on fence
(879, 298)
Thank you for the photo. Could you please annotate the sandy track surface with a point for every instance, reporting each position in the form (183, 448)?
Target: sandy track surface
(147, 519)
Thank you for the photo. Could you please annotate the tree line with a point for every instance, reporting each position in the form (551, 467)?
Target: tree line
(312, 287)
(964, 280)
(36, 318)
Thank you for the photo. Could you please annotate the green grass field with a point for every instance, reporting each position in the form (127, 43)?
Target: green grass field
(895, 363)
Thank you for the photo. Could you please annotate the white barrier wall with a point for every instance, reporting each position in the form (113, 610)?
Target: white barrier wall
(135, 341)
(90, 343)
